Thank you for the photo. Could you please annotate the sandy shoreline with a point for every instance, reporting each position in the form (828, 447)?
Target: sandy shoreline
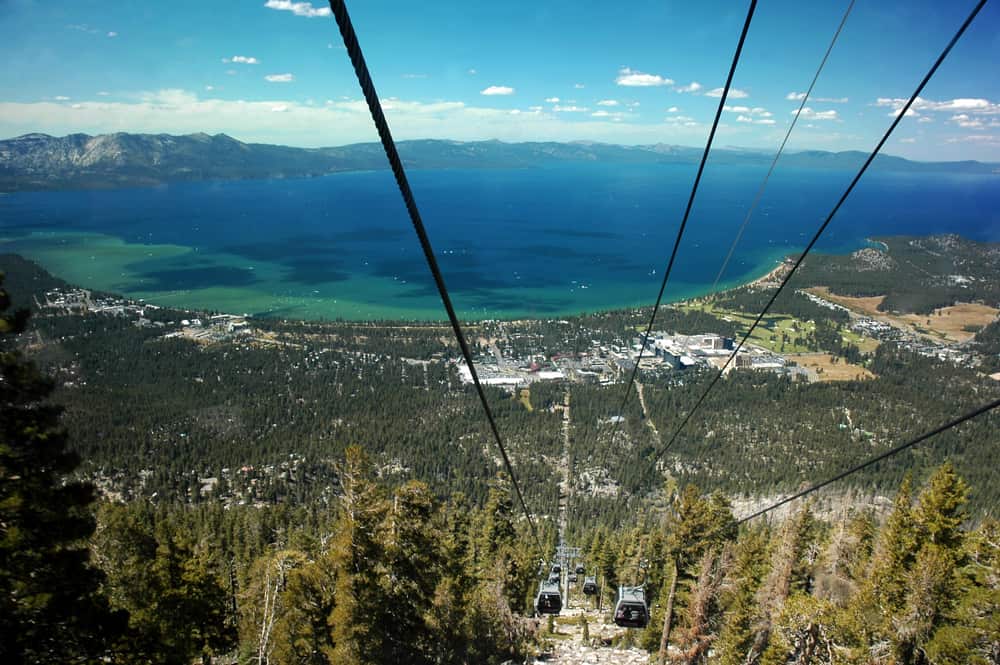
(774, 277)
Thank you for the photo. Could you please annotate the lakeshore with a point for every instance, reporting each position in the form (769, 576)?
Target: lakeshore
(540, 243)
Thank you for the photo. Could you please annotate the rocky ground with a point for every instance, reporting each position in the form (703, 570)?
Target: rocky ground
(567, 646)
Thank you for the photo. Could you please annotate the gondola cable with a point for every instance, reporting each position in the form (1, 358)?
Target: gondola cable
(339, 9)
(684, 221)
(781, 149)
(900, 114)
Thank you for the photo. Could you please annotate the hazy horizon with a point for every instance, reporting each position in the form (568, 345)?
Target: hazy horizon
(736, 148)
(276, 72)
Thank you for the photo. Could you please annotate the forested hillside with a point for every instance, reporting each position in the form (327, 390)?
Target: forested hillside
(261, 420)
(327, 493)
(915, 274)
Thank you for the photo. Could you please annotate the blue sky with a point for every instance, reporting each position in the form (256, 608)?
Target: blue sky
(635, 73)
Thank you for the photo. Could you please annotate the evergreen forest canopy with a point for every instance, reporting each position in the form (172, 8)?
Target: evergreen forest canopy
(327, 492)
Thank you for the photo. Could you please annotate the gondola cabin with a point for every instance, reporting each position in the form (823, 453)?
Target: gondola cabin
(580, 570)
(571, 578)
(631, 610)
(549, 599)
(590, 585)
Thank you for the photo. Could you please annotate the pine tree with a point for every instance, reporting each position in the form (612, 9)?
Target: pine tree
(790, 572)
(702, 614)
(453, 615)
(737, 636)
(301, 633)
(934, 583)
(971, 633)
(51, 605)
(357, 553)
(695, 524)
(264, 602)
(941, 511)
(883, 590)
(414, 566)
(173, 589)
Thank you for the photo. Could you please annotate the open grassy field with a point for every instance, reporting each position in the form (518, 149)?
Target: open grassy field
(777, 332)
(951, 322)
(945, 324)
(831, 368)
(525, 398)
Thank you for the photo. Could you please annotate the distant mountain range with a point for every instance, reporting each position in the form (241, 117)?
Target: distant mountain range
(40, 161)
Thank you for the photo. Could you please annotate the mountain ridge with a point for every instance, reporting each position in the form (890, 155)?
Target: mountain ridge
(38, 161)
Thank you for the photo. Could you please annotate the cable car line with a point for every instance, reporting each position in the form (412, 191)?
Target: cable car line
(871, 157)
(878, 458)
(339, 9)
(684, 220)
(781, 148)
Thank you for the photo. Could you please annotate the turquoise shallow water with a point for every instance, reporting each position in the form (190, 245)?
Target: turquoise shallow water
(511, 242)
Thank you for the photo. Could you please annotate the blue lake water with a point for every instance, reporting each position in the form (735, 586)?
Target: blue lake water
(511, 242)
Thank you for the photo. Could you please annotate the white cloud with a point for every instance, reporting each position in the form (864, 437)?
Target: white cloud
(673, 109)
(579, 86)
(755, 121)
(169, 98)
(734, 93)
(908, 140)
(632, 78)
(242, 59)
(925, 118)
(102, 93)
(298, 8)
(472, 72)
(983, 139)
(614, 115)
(693, 86)
(497, 90)
(209, 88)
(279, 78)
(414, 76)
(608, 102)
(569, 109)
(231, 72)
(967, 121)
(344, 121)
(551, 100)
(76, 106)
(112, 34)
(810, 114)
(973, 105)
(280, 108)
(61, 98)
(799, 96)
(535, 109)
(910, 113)
(633, 105)
(758, 111)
